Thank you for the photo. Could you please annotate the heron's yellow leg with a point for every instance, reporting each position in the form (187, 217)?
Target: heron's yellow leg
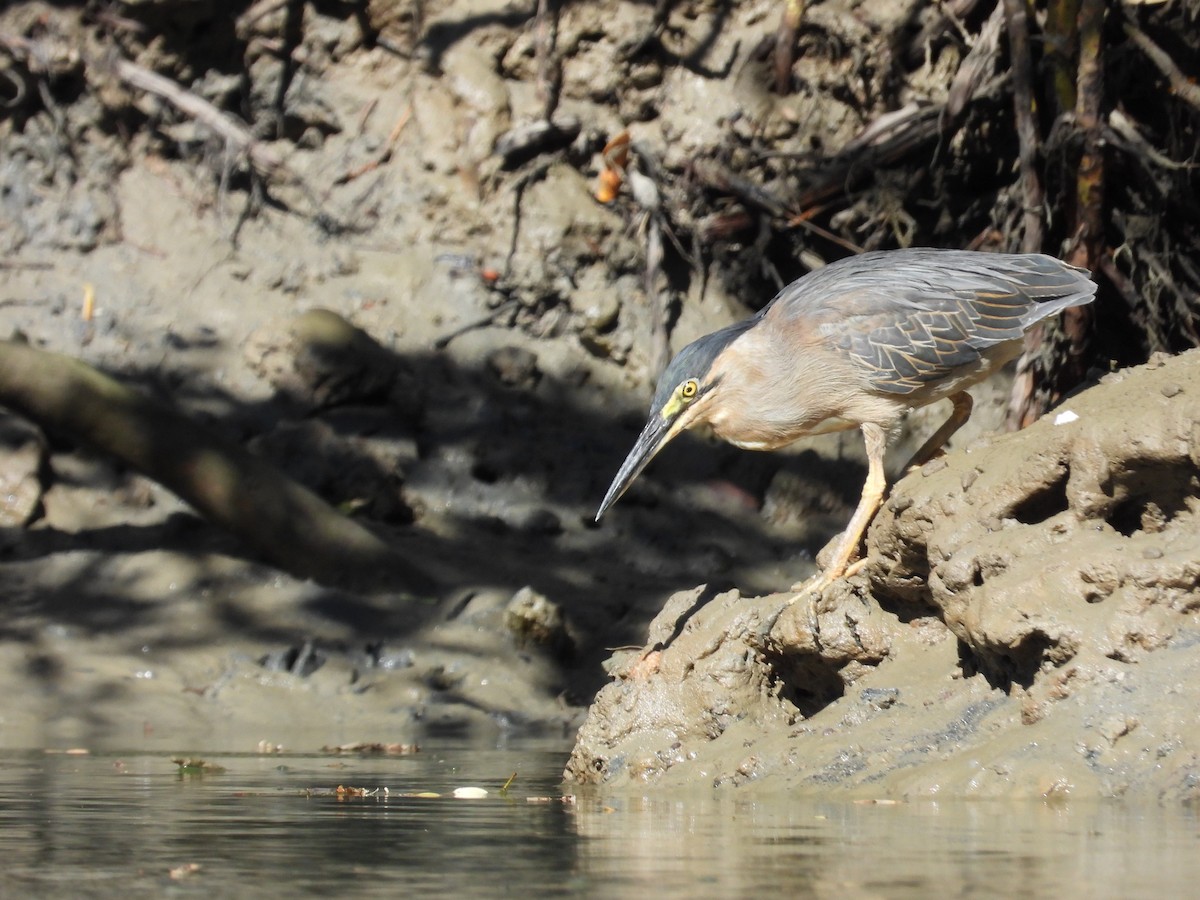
(875, 439)
(963, 405)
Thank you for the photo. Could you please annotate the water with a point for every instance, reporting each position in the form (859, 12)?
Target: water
(79, 826)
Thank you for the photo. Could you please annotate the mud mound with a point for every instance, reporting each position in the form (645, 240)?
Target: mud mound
(1027, 625)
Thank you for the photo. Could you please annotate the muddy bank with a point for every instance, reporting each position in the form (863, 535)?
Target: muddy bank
(1027, 624)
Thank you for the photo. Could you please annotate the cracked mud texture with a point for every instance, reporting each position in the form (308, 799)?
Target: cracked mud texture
(1028, 624)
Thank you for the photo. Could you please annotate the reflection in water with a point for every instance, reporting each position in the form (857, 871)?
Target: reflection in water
(105, 826)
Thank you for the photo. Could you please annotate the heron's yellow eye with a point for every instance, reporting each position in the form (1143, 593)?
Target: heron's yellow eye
(689, 389)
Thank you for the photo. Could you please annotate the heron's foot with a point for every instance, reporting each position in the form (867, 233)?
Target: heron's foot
(813, 587)
(816, 585)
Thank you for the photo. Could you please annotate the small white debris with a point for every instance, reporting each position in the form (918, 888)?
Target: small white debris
(1065, 417)
(470, 793)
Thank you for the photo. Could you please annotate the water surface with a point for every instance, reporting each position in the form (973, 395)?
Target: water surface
(108, 825)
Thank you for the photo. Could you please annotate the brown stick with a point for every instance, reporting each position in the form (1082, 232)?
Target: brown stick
(1024, 407)
(660, 331)
(977, 65)
(286, 523)
(383, 156)
(785, 44)
(1089, 183)
(1061, 48)
(1181, 87)
(262, 157)
(1070, 368)
(1025, 109)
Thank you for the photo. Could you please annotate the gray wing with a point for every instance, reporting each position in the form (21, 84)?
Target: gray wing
(911, 317)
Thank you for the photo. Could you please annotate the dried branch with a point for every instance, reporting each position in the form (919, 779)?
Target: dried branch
(1025, 109)
(1061, 49)
(383, 156)
(976, 67)
(262, 157)
(1089, 184)
(785, 44)
(1181, 86)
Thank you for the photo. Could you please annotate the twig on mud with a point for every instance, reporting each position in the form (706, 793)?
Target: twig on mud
(1070, 368)
(1125, 135)
(293, 37)
(536, 173)
(785, 44)
(759, 198)
(660, 329)
(383, 156)
(236, 135)
(42, 57)
(1089, 182)
(649, 200)
(21, 264)
(1027, 130)
(115, 22)
(952, 12)
(444, 341)
(885, 141)
(803, 220)
(976, 66)
(888, 140)
(1181, 87)
(716, 177)
(18, 93)
(262, 157)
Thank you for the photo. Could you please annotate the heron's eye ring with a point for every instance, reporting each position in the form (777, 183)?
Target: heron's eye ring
(690, 388)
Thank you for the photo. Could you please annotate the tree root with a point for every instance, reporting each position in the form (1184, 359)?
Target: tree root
(286, 523)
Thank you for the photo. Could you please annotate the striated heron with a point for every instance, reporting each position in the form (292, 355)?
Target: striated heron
(854, 345)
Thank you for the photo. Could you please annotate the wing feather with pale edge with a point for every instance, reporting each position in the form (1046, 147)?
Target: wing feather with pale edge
(912, 317)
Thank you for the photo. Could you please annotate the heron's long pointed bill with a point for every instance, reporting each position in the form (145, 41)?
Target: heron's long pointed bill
(654, 437)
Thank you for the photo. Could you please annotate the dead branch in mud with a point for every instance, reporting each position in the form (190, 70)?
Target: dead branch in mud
(382, 156)
(976, 67)
(1089, 184)
(887, 140)
(1061, 49)
(785, 44)
(1032, 197)
(1181, 86)
(1054, 359)
(285, 522)
(237, 135)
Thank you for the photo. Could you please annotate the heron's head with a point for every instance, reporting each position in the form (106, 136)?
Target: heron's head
(687, 395)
